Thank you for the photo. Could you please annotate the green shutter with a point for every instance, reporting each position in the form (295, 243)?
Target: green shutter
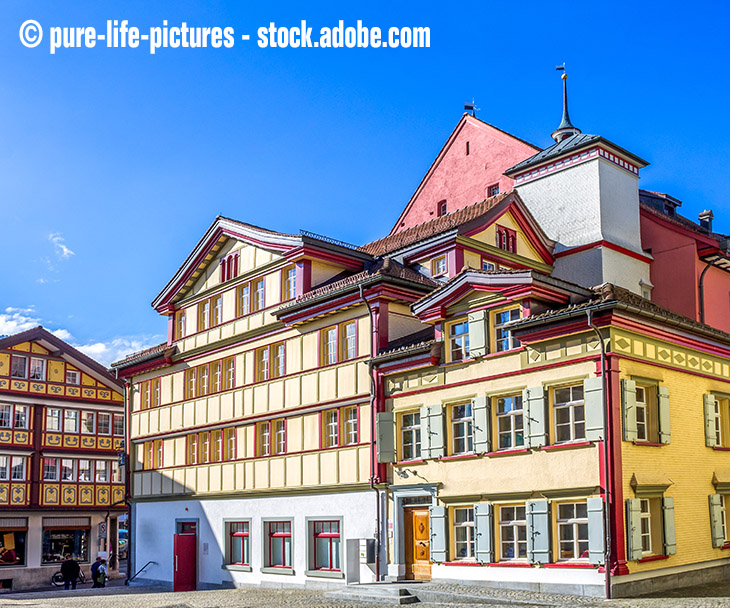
(480, 410)
(596, 531)
(533, 403)
(670, 537)
(664, 419)
(593, 396)
(628, 404)
(538, 531)
(633, 529)
(437, 525)
(432, 431)
(484, 526)
(385, 443)
(478, 333)
(710, 436)
(718, 534)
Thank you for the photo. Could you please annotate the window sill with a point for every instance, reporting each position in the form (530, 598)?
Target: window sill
(275, 570)
(652, 558)
(724, 547)
(511, 351)
(324, 573)
(570, 565)
(510, 564)
(567, 446)
(406, 463)
(649, 443)
(509, 452)
(460, 456)
(721, 449)
(459, 563)
(236, 567)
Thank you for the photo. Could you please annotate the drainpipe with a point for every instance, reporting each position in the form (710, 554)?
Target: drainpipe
(127, 478)
(372, 438)
(702, 291)
(606, 452)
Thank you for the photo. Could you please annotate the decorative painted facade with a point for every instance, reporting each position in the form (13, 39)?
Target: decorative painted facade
(61, 433)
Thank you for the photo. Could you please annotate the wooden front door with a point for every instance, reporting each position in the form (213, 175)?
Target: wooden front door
(185, 566)
(418, 547)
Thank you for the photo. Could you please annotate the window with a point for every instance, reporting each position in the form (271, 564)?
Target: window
(216, 376)
(259, 300)
(13, 543)
(21, 417)
(459, 340)
(13, 416)
(192, 448)
(243, 299)
(330, 428)
(327, 545)
(50, 469)
(510, 422)
(239, 538)
(512, 532)
(18, 366)
(288, 283)
(180, 320)
(462, 429)
(70, 421)
(72, 376)
(104, 424)
(279, 539)
(57, 543)
(116, 472)
(18, 468)
(642, 411)
(153, 457)
(411, 435)
(270, 361)
(338, 343)
(216, 446)
(492, 190)
(350, 419)
(647, 424)
(53, 419)
(573, 530)
(145, 395)
(229, 371)
(279, 436)
(441, 208)
(229, 267)
(467, 148)
(646, 546)
(37, 369)
(438, 266)
(118, 425)
(88, 423)
(488, 265)
(506, 239)
(155, 392)
(4, 468)
(204, 452)
(6, 416)
(190, 383)
(85, 470)
(210, 312)
(67, 470)
(202, 377)
(464, 533)
(569, 413)
(264, 442)
(229, 444)
(503, 339)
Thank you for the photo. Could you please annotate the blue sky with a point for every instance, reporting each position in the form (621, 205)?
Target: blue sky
(114, 162)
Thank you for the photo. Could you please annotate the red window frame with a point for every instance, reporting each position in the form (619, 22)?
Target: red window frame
(328, 535)
(244, 534)
(282, 535)
(506, 239)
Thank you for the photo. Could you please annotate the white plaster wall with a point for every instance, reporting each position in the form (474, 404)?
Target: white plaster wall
(620, 222)
(602, 265)
(155, 526)
(584, 268)
(625, 271)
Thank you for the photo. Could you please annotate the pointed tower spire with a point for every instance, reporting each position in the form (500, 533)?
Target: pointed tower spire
(566, 128)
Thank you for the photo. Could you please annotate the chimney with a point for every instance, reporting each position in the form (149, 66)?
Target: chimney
(706, 220)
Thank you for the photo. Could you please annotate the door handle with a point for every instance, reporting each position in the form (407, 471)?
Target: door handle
(176, 563)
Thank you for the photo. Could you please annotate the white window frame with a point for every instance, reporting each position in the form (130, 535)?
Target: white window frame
(515, 525)
(411, 435)
(571, 407)
(351, 418)
(645, 520)
(13, 359)
(50, 473)
(459, 340)
(511, 416)
(466, 526)
(573, 523)
(502, 335)
(33, 371)
(462, 428)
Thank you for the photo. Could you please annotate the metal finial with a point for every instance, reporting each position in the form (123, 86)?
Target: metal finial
(471, 107)
(566, 128)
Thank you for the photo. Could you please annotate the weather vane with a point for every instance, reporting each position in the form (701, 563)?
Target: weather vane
(471, 107)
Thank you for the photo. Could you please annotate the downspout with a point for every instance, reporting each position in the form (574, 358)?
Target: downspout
(702, 291)
(372, 438)
(606, 451)
(127, 479)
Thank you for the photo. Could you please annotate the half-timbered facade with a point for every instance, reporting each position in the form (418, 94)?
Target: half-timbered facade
(61, 433)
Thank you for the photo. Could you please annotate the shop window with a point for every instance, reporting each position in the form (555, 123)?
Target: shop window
(512, 532)
(58, 543)
(458, 340)
(411, 436)
(13, 535)
(326, 550)
(573, 531)
(510, 422)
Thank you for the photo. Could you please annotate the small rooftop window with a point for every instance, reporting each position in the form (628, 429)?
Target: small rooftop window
(441, 208)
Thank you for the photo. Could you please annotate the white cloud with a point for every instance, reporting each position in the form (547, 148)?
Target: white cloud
(59, 245)
(15, 320)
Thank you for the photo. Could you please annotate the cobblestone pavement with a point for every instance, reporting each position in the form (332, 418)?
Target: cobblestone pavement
(706, 596)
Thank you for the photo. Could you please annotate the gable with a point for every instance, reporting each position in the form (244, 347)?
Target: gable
(524, 242)
(462, 178)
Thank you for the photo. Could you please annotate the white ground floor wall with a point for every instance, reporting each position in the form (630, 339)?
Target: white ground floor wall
(154, 525)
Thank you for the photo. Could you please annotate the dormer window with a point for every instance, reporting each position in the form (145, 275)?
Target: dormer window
(438, 266)
(669, 210)
(441, 208)
(506, 239)
(229, 267)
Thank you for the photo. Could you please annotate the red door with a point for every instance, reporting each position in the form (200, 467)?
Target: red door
(185, 566)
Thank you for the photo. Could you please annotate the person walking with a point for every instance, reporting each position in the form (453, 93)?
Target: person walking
(70, 571)
(95, 571)
(101, 574)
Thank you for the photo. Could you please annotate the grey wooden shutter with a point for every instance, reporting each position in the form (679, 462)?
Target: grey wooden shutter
(385, 442)
(437, 529)
(480, 410)
(478, 333)
(670, 536)
(665, 435)
(718, 534)
(432, 431)
(533, 403)
(538, 531)
(633, 529)
(593, 400)
(710, 436)
(483, 521)
(628, 404)
(596, 531)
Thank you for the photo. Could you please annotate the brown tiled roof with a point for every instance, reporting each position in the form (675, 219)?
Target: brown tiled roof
(383, 267)
(433, 227)
(139, 356)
